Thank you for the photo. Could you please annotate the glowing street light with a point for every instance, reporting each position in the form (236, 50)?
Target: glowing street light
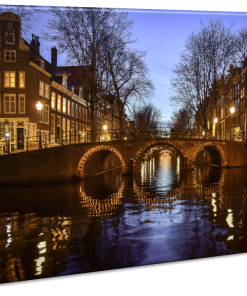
(216, 120)
(203, 133)
(39, 107)
(105, 128)
(232, 110)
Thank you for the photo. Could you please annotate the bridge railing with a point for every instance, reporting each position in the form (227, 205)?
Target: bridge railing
(9, 144)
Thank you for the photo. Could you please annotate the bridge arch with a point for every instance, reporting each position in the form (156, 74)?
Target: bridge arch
(143, 150)
(105, 150)
(215, 152)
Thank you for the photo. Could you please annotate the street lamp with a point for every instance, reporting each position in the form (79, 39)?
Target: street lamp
(203, 133)
(105, 129)
(39, 107)
(232, 110)
(216, 120)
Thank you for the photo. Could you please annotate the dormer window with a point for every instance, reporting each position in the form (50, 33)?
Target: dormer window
(42, 64)
(80, 92)
(10, 38)
(65, 81)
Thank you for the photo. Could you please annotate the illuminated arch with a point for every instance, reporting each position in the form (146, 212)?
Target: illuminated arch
(81, 164)
(156, 143)
(221, 153)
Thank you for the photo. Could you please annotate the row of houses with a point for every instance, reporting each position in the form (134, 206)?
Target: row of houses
(227, 118)
(26, 78)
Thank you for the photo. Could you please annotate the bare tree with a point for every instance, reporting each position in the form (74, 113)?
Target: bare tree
(207, 56)
(82, 34)
(182, 120)
(146, 117)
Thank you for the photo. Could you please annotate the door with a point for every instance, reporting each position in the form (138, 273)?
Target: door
(20, 138)
(58, 134)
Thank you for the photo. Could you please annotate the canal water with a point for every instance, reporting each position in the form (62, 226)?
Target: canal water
(109, 221)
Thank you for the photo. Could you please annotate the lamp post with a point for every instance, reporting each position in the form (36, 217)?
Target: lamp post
(232, 110)
(105, 129)
(39, 108)
(215, 121)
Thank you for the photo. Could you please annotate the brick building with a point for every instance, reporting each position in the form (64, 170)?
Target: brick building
(26, 78)
(227, 120)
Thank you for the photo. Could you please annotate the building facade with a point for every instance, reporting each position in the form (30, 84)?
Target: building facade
(27, 78)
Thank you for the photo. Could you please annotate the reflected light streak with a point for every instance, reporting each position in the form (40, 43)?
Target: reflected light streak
(230, 237)
(229, 218)
(38, 267)
(8, 231)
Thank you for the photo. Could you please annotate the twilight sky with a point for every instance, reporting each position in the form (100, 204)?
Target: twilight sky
(163, 34)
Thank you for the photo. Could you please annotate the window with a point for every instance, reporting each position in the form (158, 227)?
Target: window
(85, 114)
(53, 100)
(64, 127)
(68, 129)
(2, 130)
(21, 104)
(12, 131)
(9, 104)
(10, 38)
(41, 88)
(52, 127)
(68, 110)
(76, 110)
(46, 114)
(80, 112)
(21, 79)
(9, 79)
(47, 91)
(72, 109)
(42, 64)
(40, 116)
(72, 131)
(9, 55)
(58, 103)
(64, 105)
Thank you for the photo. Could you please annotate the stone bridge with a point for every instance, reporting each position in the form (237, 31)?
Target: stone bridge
(76, 161)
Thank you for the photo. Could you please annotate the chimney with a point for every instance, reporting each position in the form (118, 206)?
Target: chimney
(54, 58)
(35, 43)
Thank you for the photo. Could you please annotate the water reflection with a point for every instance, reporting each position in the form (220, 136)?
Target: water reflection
(110, 221)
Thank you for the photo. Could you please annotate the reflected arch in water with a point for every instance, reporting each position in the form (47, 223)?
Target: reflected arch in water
(216, 155)
(104, 205)
(99, 159)
(142, 151)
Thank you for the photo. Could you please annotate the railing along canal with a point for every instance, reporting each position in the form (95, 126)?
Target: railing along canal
(11, 145)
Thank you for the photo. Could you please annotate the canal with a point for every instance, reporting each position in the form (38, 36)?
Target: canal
(109, 221)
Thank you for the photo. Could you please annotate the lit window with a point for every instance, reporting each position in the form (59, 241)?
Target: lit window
(9, 104)
(46, 114)
(72, 109)
(22, 104)
(21, 79)
(41, 88)
(58, 103)
(9, 55)
(9, 79)
(10, 38)
(52, 127)
(64, 105)
(53, 100)
(68, 110)
(47, 91)
(76, 110)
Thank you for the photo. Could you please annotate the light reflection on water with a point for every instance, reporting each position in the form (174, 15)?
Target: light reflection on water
(110, 221)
